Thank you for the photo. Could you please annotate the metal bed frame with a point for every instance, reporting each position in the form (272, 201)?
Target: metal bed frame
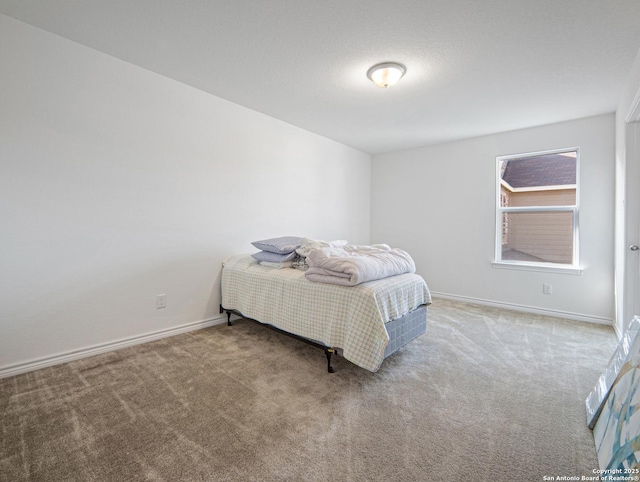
(328, 351)
(401, 331)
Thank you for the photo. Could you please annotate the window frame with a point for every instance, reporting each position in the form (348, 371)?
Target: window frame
(569, 268)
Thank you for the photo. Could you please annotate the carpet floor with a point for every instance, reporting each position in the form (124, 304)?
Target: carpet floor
(485, 395)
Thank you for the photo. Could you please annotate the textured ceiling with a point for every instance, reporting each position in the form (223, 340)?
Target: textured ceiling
(474, 67)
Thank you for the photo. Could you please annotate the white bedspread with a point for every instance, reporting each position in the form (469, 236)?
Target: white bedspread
(352, 265)
(350, 318)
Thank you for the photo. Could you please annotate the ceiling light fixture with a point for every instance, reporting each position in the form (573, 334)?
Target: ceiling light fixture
(386, 74)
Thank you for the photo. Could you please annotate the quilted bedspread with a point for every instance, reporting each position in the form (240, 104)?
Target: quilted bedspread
(350, 318)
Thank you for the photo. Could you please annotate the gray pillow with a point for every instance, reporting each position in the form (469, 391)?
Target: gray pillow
(281, 245)
(274, 257)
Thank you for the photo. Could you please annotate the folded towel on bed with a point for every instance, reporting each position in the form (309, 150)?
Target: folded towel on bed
(352, 265)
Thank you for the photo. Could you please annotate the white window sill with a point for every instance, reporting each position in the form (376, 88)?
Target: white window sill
(544, 267)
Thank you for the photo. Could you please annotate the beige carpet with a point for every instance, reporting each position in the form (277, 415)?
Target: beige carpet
(484, 395)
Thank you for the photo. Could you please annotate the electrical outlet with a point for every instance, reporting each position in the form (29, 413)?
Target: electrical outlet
(546, 288)
(161, 301)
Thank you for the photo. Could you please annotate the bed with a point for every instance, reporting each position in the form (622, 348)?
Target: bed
(363, 323)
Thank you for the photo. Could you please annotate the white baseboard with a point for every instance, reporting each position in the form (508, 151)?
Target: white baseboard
(24, 367)
(527, 309)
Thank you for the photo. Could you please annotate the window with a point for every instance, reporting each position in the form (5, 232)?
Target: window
(537, 209)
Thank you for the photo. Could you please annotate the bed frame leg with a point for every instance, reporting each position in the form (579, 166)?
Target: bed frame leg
(328, 352)
(222, 310)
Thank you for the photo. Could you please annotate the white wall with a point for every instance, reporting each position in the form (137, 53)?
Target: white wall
(117, 184)
(416, 205)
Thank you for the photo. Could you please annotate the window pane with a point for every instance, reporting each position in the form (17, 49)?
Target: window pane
(556, 197)
(538, 236)
(544, 180)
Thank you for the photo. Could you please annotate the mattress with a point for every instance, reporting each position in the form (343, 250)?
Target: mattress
(351, 319)
(405, 329)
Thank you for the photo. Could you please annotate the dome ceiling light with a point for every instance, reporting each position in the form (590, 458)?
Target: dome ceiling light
(386, 74)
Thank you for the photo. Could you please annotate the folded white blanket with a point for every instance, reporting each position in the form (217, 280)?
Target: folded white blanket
(352, 265)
